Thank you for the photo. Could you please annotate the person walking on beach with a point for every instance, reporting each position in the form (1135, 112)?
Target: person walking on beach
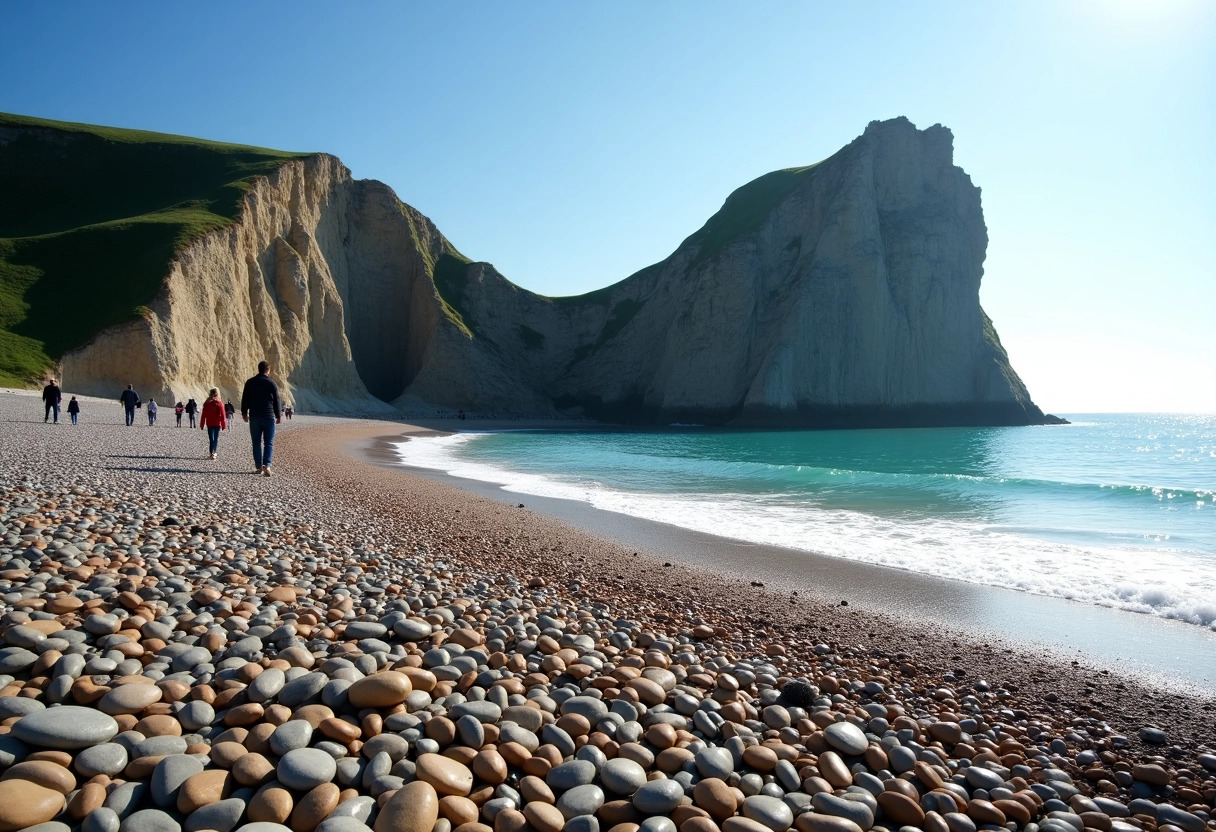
(191, 410)
(74, 409)
(229, 410)
(260, 408)
(129, 401)
(52, 396)
(213, 420)
(178, 410)
(152, 409)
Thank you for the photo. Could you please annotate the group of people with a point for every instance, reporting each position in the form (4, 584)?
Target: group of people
(260, 408)
(191, 410)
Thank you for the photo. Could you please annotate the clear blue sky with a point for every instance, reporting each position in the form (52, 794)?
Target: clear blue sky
(571, 144)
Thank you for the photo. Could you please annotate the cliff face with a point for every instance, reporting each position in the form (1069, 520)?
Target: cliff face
(845, 293)
(314, 274)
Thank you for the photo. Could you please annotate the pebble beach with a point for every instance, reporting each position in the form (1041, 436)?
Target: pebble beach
(347, 646)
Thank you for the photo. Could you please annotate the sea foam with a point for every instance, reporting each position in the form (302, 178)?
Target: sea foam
(1170, 583)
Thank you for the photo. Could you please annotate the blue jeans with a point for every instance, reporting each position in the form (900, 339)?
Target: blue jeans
(261, 430)
(213, 437)
(130, 416)
(74, 417)
(51, 407)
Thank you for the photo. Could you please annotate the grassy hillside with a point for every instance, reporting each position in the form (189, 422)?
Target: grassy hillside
(89, 219)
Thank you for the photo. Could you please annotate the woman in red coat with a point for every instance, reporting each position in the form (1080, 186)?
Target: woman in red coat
(213, 420)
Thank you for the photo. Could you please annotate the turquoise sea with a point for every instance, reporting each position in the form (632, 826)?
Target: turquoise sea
(1114, 510)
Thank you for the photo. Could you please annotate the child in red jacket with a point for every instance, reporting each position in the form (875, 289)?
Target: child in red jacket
(213, 420)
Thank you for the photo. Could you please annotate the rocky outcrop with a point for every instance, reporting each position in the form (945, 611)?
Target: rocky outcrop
(845, 293)
(325, 277)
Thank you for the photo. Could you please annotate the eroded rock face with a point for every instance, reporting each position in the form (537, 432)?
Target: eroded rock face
(852, 299)
(846, 293)
(319, 272)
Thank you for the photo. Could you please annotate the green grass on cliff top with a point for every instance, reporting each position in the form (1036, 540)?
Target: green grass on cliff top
(90, 218)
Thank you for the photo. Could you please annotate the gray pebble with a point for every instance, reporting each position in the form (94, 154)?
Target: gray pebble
(197, 714)
(16, 659)
(222, 816)
(150, 820)
(303, 690)
(580, 800)
(293, 734)
(830, 804)
(714, 761)
(159, 746)
(846, 737)
(306, 768)
(472, 733)
(658, 797)
(770, 811)
(623, 776)
(357, 630)
(67, 728)
(267, 685)
(569, 775)
(357, 808)
(11, 706)
(657, 824)
(104, 819)
(1184, 820)
(336, 823)
(109, 759)
(483, 710)
(126, 797)
(49, 826)
(413, 629)
(982, 778)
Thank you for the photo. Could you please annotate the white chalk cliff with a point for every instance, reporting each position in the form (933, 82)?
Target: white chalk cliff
(846, 293)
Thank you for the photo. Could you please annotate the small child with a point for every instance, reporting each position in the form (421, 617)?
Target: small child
(151, 412)
(74, 409)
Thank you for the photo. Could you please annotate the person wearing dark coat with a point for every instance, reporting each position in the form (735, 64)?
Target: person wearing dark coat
(74, 410)
(129, 400)
(260, 408)
(191, 410)
(51, 397)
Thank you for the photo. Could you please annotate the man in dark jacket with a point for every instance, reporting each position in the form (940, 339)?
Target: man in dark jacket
(129, 400)
(51, 397)
(260, 408)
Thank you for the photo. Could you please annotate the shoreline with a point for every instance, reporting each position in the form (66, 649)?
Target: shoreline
(606, 569)
(411, 617)
(1106, 637)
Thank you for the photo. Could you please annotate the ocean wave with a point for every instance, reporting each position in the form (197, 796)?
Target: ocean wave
(1167, 582)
